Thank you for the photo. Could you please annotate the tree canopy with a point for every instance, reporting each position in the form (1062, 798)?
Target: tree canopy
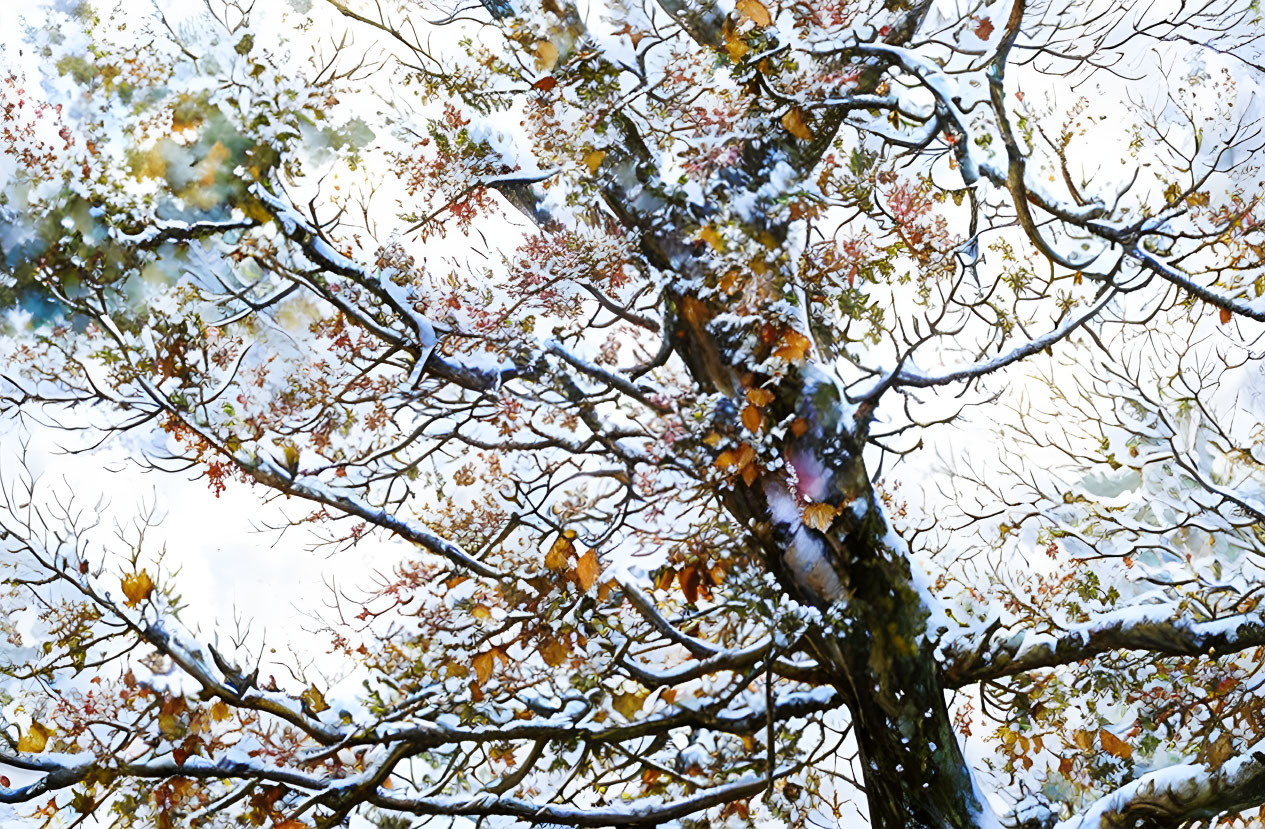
(787, 413)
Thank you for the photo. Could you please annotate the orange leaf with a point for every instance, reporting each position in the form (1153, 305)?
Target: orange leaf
(1114, 745)
(797, 125)
(750, 473)
(794, 346)
(587, 570)
(546, 83)
(983, 28)
(759, 397)
(751, 418)
(554, 651)
(483, 664)
(1226, 316)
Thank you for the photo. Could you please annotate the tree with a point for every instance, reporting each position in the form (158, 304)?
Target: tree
(624, 320)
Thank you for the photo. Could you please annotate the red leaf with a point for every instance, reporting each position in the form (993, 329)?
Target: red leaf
(546, 83)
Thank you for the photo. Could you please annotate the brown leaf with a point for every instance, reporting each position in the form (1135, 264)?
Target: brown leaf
(171, 726)
(554, 651)
(546, 83)
(797, 125)
(1114, 745)
(483, 664)
(755, 11)
(1226, 315)
(587, 569)
(34, 739)
(983, 28)
(664, 578)
(820, 516)
(137, 587)
(689, 579)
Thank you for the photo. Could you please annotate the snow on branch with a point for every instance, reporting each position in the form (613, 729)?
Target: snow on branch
(1163, 629)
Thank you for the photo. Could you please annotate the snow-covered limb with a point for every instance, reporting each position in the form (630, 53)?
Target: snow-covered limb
(1177, 795)
(643, 812)
(1167, 629)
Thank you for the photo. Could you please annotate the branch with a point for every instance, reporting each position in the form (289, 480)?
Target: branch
(1163, 629)
(1179, 794)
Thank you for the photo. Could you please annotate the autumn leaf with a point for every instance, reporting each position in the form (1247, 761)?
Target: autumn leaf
(629, 704)
(137, 587)
(315, 699)
(594, 160)
(751, 418)
(587, 569)
(793, 348)
(820, 516)
(755, 11)
(483, 664)
(983, 28)
(560, 552)
(291, 823)
(554, 651)
(34, 739)
(1114, 745)
(546, 83)
(759, 397)
(189, 748)
(481, 612)
(689, 579)
(1226, 315)
(220, 711)
(546, 55)
(712, 237)
(797, 125)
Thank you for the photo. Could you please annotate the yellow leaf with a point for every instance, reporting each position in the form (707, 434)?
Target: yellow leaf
(820, 516)
(1114, 745)
(712, 237)
(220, 711)
(483, 663)
(793, 348)
(34, 739)
(796, 124)
(315, 699)
(587, 570)
(751, 418)
(713, 440)
(546, 55)
(755, 11)
(171, 726)
(481, 612)
(594, 160)
(629, 704)
(560, 552)
(734, 43)
(137, 587)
